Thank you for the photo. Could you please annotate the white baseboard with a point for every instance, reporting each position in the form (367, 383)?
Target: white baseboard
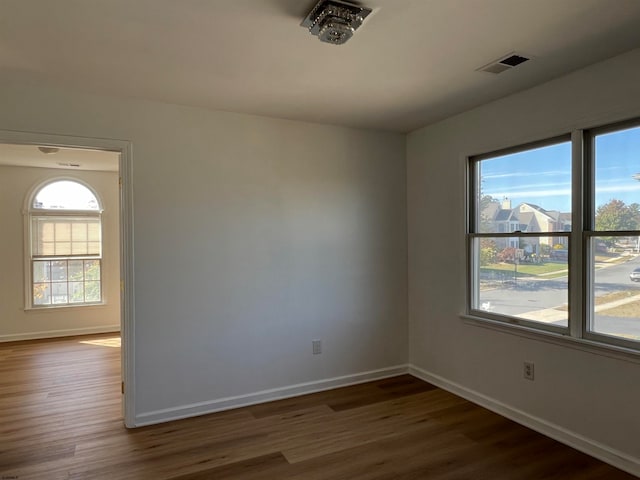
(590, 447)
(228, 403)
(71, 332)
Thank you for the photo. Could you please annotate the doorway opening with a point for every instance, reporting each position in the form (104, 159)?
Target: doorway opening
(66, 204)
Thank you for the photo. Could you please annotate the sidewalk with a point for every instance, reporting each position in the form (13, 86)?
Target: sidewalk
(602, 264)
(551, 315)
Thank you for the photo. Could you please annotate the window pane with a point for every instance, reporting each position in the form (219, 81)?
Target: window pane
(65, 195)
(528, 191)
(92, 291)
(617, 180)
(41, 271)
(92, 269)
(76, 270)
(59, 292)
(41, 293)
(523, 277)
(76, 292)
(616, 286)
(59, 270)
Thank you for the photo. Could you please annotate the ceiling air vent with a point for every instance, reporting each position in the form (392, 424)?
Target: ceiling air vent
(505, 63)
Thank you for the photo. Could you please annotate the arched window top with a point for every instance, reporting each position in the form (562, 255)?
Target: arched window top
(65, 195)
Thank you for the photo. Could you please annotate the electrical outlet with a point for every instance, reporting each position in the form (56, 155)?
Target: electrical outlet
(529, 371)
(317, 346)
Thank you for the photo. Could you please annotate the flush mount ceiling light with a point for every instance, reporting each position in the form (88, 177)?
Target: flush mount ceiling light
(335, 21)
(49, 150)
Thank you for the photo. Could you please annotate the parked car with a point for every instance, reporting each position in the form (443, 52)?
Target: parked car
(559, 254)
(635, 275)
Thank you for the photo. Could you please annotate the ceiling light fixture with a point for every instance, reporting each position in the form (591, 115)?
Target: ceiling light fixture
(335, 21)
(49, 150)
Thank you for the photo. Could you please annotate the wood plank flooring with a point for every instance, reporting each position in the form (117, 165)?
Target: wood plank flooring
(60, 418)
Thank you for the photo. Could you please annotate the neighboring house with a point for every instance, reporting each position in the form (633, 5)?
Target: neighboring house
(499, 217)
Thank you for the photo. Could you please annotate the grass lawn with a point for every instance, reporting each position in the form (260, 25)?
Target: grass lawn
(627, 310)
(611, 259)
(527, 270)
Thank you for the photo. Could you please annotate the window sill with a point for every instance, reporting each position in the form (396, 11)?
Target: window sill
(590, 346)
(49, 308)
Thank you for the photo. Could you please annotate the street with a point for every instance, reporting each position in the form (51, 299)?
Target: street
(544, 300)
(616, 277)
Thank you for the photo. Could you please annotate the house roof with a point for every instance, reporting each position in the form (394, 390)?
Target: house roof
(504, 215)
(410, 64)
(551, 214)
(526, 218)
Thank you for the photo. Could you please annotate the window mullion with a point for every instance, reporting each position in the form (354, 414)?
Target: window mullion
(578, 269)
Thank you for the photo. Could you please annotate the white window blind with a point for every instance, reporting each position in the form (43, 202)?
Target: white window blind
(65, 236)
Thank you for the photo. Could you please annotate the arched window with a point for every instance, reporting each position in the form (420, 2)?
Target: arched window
(65, 232)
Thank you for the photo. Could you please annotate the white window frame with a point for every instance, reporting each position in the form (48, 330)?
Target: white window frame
(472, 223)
(582, 245)
(29, 212)
(590, 233)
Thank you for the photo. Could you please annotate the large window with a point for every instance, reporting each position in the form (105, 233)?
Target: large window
(554, 235)
(613, 233)
(65, 246)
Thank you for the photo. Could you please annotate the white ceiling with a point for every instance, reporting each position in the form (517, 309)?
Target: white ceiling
(413, 62)
(65, 158)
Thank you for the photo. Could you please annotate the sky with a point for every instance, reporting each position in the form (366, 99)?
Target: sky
(66, 194)
(543, 176)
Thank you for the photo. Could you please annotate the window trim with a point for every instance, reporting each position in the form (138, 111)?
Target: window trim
(28, 212)
(580, 296)
(590, 346)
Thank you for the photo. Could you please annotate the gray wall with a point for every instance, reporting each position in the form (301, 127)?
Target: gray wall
(586, 394)
(253, 236)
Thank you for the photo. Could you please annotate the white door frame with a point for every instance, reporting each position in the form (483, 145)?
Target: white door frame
(124, 148)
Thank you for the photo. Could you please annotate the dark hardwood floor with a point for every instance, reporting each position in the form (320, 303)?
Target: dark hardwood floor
(60, 418)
